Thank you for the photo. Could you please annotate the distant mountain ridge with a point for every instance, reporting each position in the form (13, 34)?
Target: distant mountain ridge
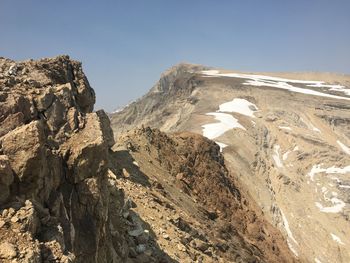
(291, 150)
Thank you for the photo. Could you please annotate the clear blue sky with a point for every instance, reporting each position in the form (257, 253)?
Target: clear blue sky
(125, 45)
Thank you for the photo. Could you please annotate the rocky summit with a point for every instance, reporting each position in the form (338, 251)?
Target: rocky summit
(59, 200)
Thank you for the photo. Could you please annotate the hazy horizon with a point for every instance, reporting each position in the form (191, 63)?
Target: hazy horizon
(125, 46)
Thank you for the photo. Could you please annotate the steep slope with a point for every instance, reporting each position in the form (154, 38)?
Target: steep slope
(167, 101)
(287, 140)
(58, 197)
(183, 190)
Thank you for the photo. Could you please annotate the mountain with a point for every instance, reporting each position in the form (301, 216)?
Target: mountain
(285, 139)
(70, 193)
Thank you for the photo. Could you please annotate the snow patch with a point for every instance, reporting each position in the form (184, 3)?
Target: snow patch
(311, 126)
(337, 239)
(276, 156)
(285, 128)
(331, 170)
(226, 122)
(338, 88)
(315, 129)
(344, 147)
(282, 83)
(289, 234)
(241, 106)
(337, 207)
(285, 155)
(222, 145)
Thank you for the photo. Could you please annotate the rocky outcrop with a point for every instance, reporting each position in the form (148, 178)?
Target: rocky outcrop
(57, 201)
(182, 178)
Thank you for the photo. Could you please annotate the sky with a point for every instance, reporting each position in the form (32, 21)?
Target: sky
(125, 45)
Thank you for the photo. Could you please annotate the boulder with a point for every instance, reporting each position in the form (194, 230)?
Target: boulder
(7, 250)
(25, 148)
(87, 150)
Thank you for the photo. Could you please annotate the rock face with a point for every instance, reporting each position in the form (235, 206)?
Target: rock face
(57, 201)
(286, 139)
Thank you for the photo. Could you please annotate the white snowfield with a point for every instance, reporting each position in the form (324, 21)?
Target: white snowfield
(226, 120)
(241, 106)
(282, 83)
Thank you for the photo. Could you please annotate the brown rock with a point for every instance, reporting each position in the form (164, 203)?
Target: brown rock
(6, 178)
(87, 150)
(179, 176)
(11, 122)
(25, 148)
(58, 153)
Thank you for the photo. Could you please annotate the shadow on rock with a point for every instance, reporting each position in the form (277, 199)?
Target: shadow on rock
(130, 170)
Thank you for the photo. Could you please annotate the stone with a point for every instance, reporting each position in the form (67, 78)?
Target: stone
(181, 247)
(141, 248)
(14, 219)
(87, 149)
(148, 252)
(4, 213)
(11, 122)
(132, 252)
(44, 101)
(6, 175)
(143, 238)
(11, 211)
(199, 244)
(179, 176)
(271, 117)
(136, 232)
(166, 236)
(125, 173)
(25, 148)
(7, 250)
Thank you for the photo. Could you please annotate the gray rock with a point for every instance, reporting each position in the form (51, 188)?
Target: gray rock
(141, 248)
